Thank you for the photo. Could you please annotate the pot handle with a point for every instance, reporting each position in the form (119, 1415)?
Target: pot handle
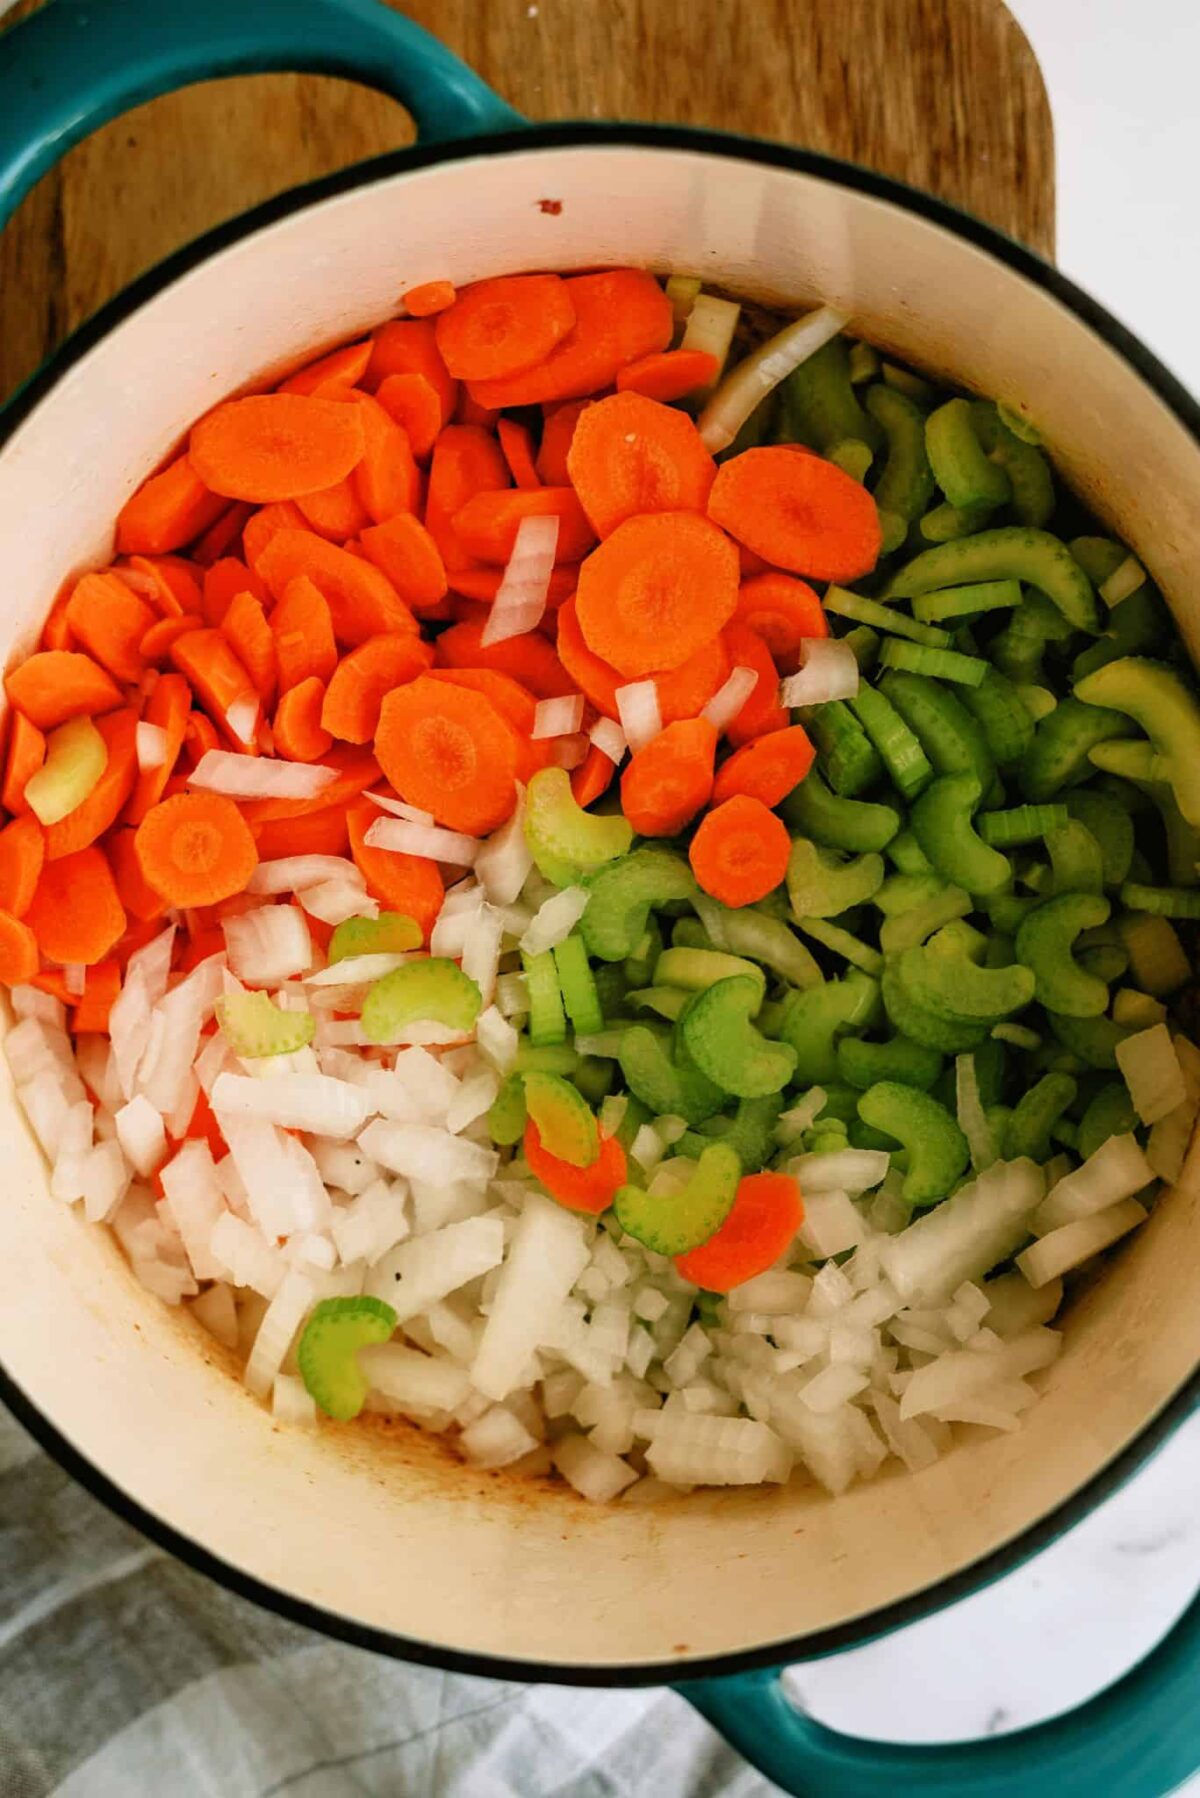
(75, 64)
(1136, 1739)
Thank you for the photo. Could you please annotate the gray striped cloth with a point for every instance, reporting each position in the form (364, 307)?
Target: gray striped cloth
(123, 1674)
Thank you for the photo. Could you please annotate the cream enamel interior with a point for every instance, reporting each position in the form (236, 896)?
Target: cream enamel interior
(383, 1530)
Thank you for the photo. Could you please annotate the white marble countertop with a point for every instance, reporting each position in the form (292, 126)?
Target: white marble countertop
(1121, 83)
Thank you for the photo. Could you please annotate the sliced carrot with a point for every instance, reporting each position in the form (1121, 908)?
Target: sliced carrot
(528, 659)
(361, 680)
(109, 621)
(558, 433)
(90, 1014)
(22, 853)
(199, 736)
(76, 914)
(413, 401)
(512, 701)
(303, 631)
(198, 946)
(387, 480)
(505, 325)
(682, 691)
(404, 551)
(252, 641)
(274, 446)
(267, 523)
(783, 612)
(167, 511)
(179, 582)
(429, 297)
(320, 833)
(799, 511)
(203, 1126)
(589, 1189)
(168, 707)
(740, 852)
(56, 632)
(466, 461)
(767, 768)
(136, 894)
(54, 982)
(762, 711)
(516, 441)
(668, 374)
(18, 951)
(620, 315)
(222, 581)
(336, 512)
(450, 752)
(330, 375)
(670, 779)
(356, 770)
(194, 849)
(298, 731)
(593, 777)
(155, 646)
(487, 525)
(468, 411)
(220, 537)
(767, 1212)
(57, 684)
(656, 590)
(408, 346)
(26, 753)
(629, 454)
(482, 584)
(362, 601)
(92, 817)
(405, 883)
(218, 679)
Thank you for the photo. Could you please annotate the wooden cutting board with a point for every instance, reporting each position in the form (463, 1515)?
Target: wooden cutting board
(945, 94)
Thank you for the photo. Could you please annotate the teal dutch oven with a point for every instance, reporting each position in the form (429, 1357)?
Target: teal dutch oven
(379, 1538)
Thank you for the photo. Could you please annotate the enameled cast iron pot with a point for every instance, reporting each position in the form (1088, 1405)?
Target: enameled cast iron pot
(380, 1539)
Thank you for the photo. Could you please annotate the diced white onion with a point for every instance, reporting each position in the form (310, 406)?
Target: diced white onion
(400, 808)
(554, 920)
(413, 1381)
(569, 752)
(151, 747)
(828, 670)
(1056, 1254)
(1117, 1170)
(269, 945)
(428, 840)
(716, 1451)
(259, 776)
(480, 959)
(75, 978)
(503, 862)
(609, 739)
(290, 1402)
(313, 1102)
(560, 717)
(710, 326)
(242, 718)
(525, 584)
(141, 1135)
(358, 970)
(846, 1170)
(730, 697)
(593, 1473)
(496, 1039)
(425, 1269)
(760, 372)
(832, 1223)
(1125, 579)
(972, 1119)
(637, 706)
(333, 901)
(547, 1254)
(281, 1320)
(1152, 1073)
(293, 872)
(966, 1236)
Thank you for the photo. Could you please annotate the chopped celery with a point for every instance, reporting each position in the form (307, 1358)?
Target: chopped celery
(751, 932)
(327, 1354)
(664, 1085)
(1028, 472)
(960, 465)
(1156, 698)
(1035, 1114)
(622, 895)
(905, 485)
(941, 664)
(942, 824)
(751, 1130)
(547, 1058)
(848, 757)
(1000, 710)
(76, 757)
(843, 943)
(862, 1064)
(253, 1026)
(1162, 902)
(1012, 552)
(821, 884)
(547, 1019)
(577, 986)
(818, 403)
(722, 1042)
(837, 823)
(667, 1001)
(1023, 824)
(944, 979)
(671, 1222)
(1045, 945)
(565, 1122)
(937, 1149)
(697, 969)
(391, 933)
(844, 604)
(506, 1116)
(945, 729)
(1110, 825)
(1157, 957)
(814, 1021)
(966, 602)
(853, 457)
(434, 990)
(898, 746)
(565, 841)
(1075, 858)
(1058, 755)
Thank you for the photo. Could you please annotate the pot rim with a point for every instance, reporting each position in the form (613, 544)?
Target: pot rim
(1047, 1529)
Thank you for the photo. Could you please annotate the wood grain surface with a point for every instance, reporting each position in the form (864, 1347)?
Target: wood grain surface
(945, 94)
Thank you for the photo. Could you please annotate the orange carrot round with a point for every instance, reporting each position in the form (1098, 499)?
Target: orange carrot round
(22, 853)
(767, 768)
(450, 752)
(226, 578)
(740, 852)
(298, 732)
(412, 400)
(620, 314)
(528, 659)
(466, 461)
(362, 601)
(221, 536)
(361, 680)
(134, 891)
(408, 346)
(56, 632)
(18, 951)
(99, 810)
(57, 684)
(762, 711)
(178, 583)
(167, 511)
(487, 524)
(429, 297)
(783, 612)
(155, 646)
(250, 637)
(669, 780)
(656, 590)
(169, 706)
(590, 1189)
(76, 914)
(26, 753)
(302, 629)
(482, 584)
(194, 849)
(217, 678)
(629, 454)
(356, 769)
(273, 446)
(405, 883)
(330, 375)
(516, 441)
(682, 691)
(265, 524)
(335, 512)
(798, 511)
(668, 374)
(593, 777)
(503, 326)
(558, 433)
(109, 622)
(766, 1214)
(318, 833)
(90, 1013)
(404, 551)
(387, 479)
(514, 703)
